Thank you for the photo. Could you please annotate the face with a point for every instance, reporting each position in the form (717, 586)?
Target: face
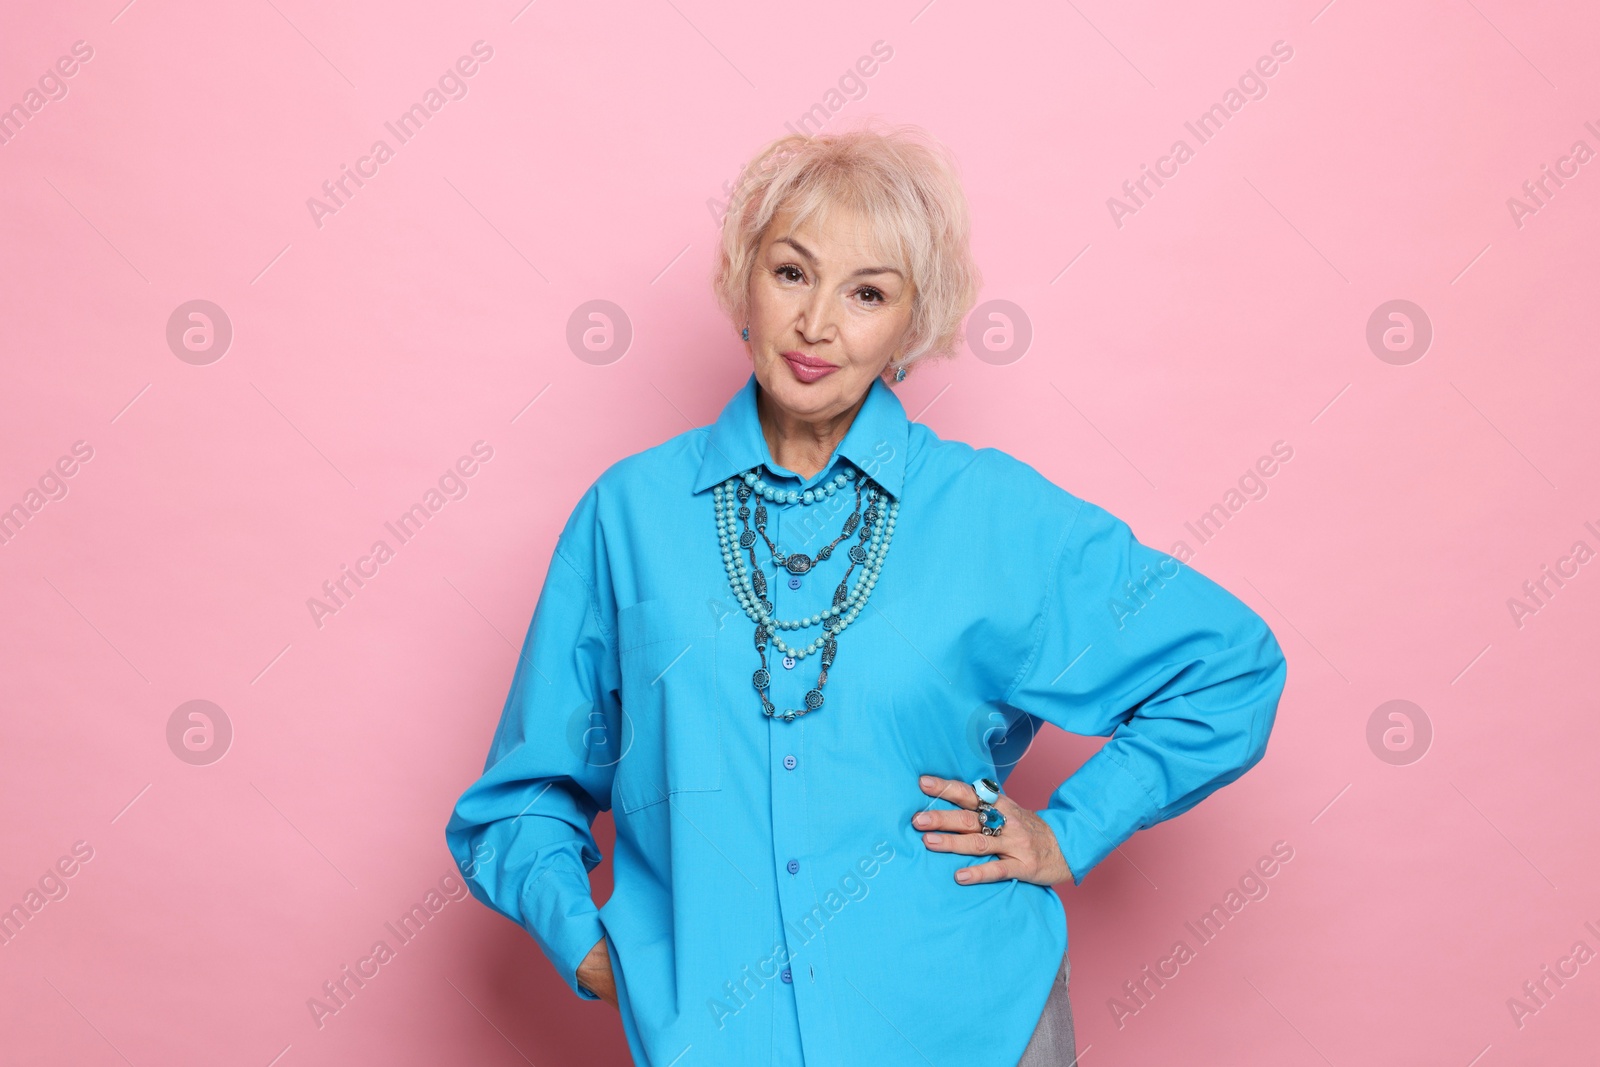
(828, 311)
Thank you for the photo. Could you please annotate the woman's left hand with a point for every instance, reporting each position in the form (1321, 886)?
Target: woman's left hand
(1025, 848)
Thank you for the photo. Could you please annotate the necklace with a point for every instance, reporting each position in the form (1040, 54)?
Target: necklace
(799, 562)
(749, 584)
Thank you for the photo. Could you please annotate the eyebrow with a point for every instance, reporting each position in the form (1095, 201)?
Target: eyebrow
(804, 251)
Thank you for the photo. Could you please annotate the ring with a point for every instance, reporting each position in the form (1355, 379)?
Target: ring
(988, 790)
(990, 819)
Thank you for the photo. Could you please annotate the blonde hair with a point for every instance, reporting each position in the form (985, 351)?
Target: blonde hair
(902, 181)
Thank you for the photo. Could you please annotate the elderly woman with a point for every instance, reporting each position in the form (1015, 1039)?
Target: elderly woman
(797, 652)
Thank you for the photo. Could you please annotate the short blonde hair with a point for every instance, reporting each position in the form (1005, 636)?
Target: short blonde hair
(902, 181)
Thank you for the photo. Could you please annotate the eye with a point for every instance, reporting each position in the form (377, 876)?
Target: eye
(788, 272)
(877, 296)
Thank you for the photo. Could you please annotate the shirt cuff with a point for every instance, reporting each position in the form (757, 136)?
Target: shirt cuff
(562, 917)
(1095, 810)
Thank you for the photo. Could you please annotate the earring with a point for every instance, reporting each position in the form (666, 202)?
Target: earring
(899, 374)
(746, 333)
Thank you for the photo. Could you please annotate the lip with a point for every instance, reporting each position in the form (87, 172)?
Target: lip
(807, 361)
(807, 368)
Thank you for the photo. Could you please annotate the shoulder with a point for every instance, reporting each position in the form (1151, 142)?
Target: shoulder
(990, 478)
(673, 461)
(635, 477)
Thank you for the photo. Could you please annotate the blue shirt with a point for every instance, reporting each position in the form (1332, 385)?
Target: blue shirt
(772, 902)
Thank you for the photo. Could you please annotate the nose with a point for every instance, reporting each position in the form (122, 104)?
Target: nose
(816, 317)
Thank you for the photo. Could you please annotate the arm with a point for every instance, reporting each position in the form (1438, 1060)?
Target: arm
(1186, 675)
(521, 833)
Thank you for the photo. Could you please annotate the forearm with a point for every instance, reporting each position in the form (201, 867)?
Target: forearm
(1175, 750)
(533, 869)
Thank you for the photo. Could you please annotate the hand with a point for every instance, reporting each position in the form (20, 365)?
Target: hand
(1026, 848)
(594, 974)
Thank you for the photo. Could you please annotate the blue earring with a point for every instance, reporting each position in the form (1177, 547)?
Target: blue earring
(899, 374)
(746, 333)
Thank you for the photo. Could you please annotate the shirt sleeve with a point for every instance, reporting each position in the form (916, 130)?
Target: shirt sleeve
(521, 833)
(1182, 675)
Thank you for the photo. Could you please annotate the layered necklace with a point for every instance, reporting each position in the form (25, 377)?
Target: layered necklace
(873, 526)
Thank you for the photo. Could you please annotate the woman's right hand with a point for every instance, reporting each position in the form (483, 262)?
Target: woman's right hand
(594, 974)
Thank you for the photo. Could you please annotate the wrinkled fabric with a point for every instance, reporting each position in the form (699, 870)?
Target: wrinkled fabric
(772, 902)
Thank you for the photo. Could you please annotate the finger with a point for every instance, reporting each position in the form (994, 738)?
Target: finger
(951, 789)
(965, 844)
(958, 820)
(1009, 807)
(993, 871)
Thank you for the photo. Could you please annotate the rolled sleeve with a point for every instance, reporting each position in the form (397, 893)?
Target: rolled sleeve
(1183, 676)
(521, 834)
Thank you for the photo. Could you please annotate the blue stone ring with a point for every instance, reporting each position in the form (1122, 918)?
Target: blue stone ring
(990, 819)
(988, 790)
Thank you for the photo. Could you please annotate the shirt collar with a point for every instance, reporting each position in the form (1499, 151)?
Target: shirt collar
(875, 442)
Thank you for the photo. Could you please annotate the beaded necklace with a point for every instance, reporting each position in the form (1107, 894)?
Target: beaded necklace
(749, 584)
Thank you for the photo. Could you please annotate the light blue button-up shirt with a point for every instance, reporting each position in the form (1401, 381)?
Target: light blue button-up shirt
(773, 903)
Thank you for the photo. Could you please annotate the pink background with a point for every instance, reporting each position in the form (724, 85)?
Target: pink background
(370, 352)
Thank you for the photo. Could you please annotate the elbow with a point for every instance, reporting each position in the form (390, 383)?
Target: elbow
(468, 848)
(1271, 677)
(1242, 735)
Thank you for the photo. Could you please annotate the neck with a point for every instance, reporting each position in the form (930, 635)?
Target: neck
(800, 444)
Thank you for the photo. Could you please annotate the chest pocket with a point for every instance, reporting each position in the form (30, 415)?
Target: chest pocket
(672, 718)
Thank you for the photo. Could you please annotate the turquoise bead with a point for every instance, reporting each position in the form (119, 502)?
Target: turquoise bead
(835, 619)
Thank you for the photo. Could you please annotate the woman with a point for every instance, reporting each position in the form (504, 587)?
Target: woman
(797, 652)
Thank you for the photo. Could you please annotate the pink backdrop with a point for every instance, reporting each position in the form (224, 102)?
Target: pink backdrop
(189, 475)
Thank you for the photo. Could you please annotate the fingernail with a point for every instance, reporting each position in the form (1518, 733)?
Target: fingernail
(926, 779)
(921, 818)
(963, 875)
(934, 839)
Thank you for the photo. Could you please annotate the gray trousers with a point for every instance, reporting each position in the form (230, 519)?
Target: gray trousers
(1053, 1043)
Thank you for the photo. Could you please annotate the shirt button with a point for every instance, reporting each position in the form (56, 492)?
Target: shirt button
(787, 976)
(788, 663)
(794, 581)
(788, 763)
(794, 865)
